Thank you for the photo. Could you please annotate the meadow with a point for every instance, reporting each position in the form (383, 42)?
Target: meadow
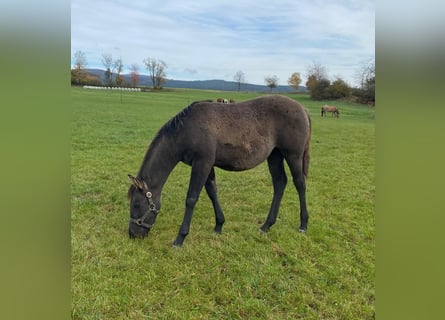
(327, 273)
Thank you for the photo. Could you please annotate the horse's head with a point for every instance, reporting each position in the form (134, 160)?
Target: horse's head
(143, 210)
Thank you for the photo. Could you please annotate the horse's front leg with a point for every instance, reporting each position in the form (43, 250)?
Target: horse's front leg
(200, 172)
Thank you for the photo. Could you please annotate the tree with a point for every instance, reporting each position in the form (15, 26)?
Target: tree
(311, 82)
(294, 81)
(271, 82)
(317, 81)
(80, 60)
(113, 70)
(134, 75)
(317, 70)
(339, 89)
(79, 75)
(156, 69)
(107, 61)
(367, 83)
(117, 68)
(321, 90)
(239, 78)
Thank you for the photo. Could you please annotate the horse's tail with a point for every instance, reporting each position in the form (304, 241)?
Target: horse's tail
(306, 156)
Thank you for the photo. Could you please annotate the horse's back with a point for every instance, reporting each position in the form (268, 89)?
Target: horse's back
(266, 116)
(243, 134)
(329, 108)
(262, 109)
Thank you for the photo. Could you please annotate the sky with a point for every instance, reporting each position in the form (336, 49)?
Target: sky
(213, 39)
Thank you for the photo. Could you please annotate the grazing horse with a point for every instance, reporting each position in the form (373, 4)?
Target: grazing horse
(231, 101)
(235, 138)
(219, 100)
(334, 110)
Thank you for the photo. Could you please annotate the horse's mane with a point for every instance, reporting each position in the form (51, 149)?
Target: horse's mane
(176, 122)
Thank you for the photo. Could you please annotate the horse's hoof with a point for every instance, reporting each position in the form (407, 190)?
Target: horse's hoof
(176, 246)
(302, 230)
(262, 231)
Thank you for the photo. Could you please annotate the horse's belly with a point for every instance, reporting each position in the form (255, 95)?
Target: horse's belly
(241, 156)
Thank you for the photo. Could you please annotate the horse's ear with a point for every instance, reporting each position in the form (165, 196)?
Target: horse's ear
(135, 182)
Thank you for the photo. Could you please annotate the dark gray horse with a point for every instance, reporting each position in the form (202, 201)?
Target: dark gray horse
(233, 137)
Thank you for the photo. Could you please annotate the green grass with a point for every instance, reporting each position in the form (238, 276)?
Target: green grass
(327, 273)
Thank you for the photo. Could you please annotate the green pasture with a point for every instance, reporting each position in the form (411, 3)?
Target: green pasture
(327, 273)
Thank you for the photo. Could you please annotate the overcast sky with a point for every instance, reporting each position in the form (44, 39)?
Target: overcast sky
(213, 39)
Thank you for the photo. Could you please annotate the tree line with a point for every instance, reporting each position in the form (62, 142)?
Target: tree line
(321, 88)
(113, 72)
(318, 83)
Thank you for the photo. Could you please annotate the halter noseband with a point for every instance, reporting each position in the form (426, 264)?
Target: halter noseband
(151, 209)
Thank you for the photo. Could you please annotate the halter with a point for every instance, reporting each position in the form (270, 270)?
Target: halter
(151, 209)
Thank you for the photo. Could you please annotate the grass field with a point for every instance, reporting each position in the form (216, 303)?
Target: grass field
(327, 273)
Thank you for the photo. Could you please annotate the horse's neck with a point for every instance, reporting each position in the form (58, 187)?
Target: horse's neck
(158, 163)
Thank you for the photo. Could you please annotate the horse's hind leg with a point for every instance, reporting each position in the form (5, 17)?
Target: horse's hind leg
(212, 193)
(279, 180)
(296, 167)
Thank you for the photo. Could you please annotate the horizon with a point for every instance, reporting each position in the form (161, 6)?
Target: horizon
(203, 80)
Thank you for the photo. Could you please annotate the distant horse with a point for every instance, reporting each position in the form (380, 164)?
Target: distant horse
(231, 101)
(334, 110)
(222, 100)
(234, 138)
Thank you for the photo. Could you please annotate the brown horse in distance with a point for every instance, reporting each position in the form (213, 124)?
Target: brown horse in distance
(334, 110)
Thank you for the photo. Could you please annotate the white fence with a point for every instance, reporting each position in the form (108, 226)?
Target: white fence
(112, 88)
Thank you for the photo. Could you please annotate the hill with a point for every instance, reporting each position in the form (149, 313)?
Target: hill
(222, 85)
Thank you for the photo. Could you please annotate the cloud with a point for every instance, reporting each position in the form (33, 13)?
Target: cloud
(219, 38)
(190, 71)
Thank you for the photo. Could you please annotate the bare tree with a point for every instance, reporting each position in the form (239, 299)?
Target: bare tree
(156, 69)
(107, 61)
(366, 77)
(317, 81)
(79, 75)
(317, 71)
(80, 60)
(271, 82)
(113, 70)
(366, 72)
(117, 68)
(239, 78)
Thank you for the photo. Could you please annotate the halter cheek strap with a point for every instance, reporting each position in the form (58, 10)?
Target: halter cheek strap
(151, 209)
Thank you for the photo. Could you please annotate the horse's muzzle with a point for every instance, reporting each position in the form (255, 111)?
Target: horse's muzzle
(135, 231)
